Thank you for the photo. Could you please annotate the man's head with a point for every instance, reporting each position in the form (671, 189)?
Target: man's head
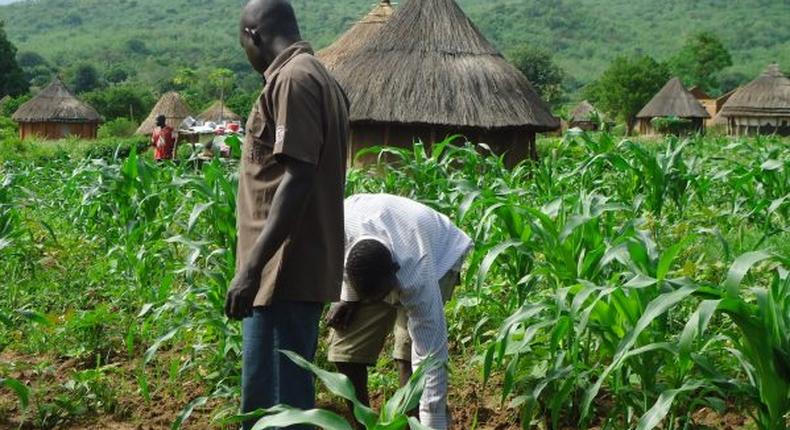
(161, 121)
(267, 27)
(371, 270)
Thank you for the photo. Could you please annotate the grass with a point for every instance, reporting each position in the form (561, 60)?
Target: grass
(615, 283)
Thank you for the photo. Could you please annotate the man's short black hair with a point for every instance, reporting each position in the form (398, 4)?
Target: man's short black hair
(368, 265)
(161, 120)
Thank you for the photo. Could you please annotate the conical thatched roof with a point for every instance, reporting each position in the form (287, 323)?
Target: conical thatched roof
(172, 106)
(583, 112)
(219, 112)
(355, 38)
(768, 95)
(430, 65)
(674, 100)
(699, 93)
(56, 103)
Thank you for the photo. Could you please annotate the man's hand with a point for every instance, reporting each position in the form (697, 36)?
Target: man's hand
(241, 295)
(340, 315)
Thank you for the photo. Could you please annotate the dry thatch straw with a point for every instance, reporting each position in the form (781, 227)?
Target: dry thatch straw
(699, 93)
(56, 104)
(766, 96)
(357, 36)
(583, 112)
(430, 65)
(218, 112)
(674, 100)
(172, 106)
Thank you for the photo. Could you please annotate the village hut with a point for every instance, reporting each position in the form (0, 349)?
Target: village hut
(583, 116)
(430, 73)
(707, 101)
(172, 106)
(219, 113)
(56, 113)
(673, 101)
(355, 38)
(760, 107)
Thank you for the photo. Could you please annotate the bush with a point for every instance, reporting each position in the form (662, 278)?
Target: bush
(672, 125)
(120, 127)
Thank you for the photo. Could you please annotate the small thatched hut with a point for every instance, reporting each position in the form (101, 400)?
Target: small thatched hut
(673, 101)
(357, 36)
(430, 73)
(218, 113)
(760, 107)
(56, 113)
(583, 117)
(172, 106)
(708, 102)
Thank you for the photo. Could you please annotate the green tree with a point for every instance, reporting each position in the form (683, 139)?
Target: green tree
(12, 77)
(222, 81)
(701, 60)
(121, 101)
(626, 86)
(86, 78)
(541, 70)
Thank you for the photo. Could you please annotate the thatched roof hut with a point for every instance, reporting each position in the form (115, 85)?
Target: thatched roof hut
(219, 112)
(429, 73)
(674, 100)
(760, 107)
(172, 106)
(357, 36)
(583, 116)
(55, 113)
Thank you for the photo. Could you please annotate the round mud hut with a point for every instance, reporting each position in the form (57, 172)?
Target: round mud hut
(56, 113)
(355, 38)
(172, 106)
(429, 73)
(583, 116)
(219, 113)
(760, 107)
(673, 101)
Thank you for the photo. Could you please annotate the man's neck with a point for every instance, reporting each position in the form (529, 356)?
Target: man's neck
(277, 46)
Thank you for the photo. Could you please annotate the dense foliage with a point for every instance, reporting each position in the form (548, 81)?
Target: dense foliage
(616, 284)
(700, 62)
(12, 78)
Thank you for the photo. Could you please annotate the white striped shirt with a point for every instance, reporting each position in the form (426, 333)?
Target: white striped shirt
(426, 245)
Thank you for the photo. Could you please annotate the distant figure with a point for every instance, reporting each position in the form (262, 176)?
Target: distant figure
(289, 259)
(163, 140)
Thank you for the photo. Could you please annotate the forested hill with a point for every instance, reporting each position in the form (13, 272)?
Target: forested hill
(154, 37)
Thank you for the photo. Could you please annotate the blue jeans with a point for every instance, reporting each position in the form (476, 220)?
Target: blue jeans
(268, 377)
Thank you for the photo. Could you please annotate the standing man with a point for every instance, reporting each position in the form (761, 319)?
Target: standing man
(163, 140)
(403, 260)
(289, 209)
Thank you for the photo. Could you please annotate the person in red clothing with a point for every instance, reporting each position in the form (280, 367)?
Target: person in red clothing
(163, 140)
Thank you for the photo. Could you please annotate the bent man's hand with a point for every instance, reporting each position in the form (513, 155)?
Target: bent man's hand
(241, 295)
(340, 315)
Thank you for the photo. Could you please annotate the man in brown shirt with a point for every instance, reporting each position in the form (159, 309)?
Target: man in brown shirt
(289, 208)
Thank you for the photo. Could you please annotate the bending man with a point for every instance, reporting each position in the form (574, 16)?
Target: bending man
(403, 261)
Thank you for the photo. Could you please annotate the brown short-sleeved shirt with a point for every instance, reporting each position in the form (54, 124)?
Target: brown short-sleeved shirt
(302, 114)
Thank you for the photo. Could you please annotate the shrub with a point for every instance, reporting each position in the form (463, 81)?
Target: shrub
(120, 127)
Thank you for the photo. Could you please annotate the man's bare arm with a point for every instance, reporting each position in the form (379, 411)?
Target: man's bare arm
(287, 206)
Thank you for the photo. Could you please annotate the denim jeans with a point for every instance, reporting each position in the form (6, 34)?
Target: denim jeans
(269, 378)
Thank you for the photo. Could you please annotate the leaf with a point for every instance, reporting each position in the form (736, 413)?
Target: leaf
(195, 215)
(660, 409)
(739, 269)
(415, 424)
(772, 165)
(696, 325)
(641, 281)
(408, 396)
(149, 354)
(490, 258)
(284, 416)
(668, 257)
(144, 311)
(36, 317)
(187, 411)
(338, 384)
(20, 389)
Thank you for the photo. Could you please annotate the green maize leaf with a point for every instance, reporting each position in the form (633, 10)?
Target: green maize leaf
(696, 326)
(187, 411)
(37, 318)
(490, 258)
(739, 269)
(415, 424)
(669, 256)
(283, 416)
(195, 215)
(151, 352)
(655, 309)
(660, 409)
(338, 384)
(20, 389)
(408, 396)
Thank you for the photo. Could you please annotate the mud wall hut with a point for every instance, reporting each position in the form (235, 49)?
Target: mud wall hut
(760, 107)
(429, 73)
(56, 113)
(673, 101)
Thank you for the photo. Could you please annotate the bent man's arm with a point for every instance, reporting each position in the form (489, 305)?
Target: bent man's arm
(288, 205)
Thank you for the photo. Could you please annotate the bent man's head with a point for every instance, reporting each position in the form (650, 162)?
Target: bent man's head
(371, 270)
(161, 121)
(267, 27)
